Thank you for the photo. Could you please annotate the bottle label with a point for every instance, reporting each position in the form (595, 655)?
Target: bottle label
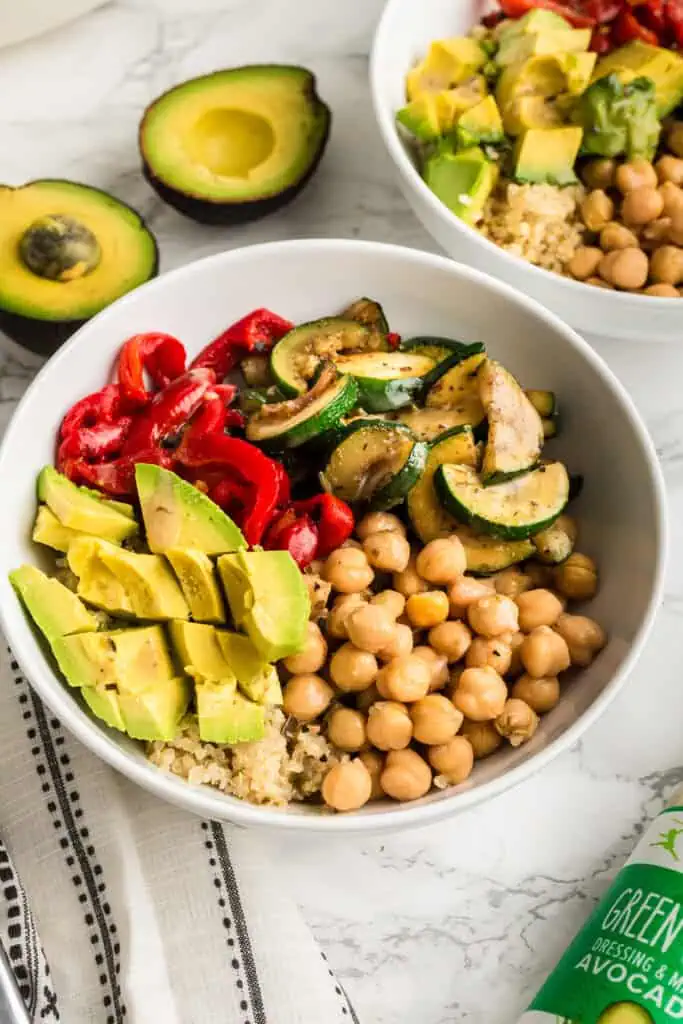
(626, 965)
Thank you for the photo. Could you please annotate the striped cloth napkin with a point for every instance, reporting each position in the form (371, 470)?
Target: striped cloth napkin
(119, 908)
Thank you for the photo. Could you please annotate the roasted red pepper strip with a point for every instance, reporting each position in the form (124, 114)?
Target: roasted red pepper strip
(651, 14)
(296, 534)
(94, 443)
(116, 478)
(518, 8)
(333, 517)
(393, 339)
(283, 484)
(673, 14)
(168, 411)
(603, 11)
(256, 332)
(101, 407)
(627, 27)
(161, 355)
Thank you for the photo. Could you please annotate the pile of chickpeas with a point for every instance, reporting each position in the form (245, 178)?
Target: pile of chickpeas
(634, 213)
(419, 669)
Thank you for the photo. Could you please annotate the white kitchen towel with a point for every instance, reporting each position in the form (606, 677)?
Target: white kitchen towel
(145, 914)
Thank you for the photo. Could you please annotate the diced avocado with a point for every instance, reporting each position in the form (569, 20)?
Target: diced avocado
(79, 510)
(463, 181)
(538, 44)
(119, 506)
(198, 651)
(662, 66)
(531, 112)
(198, 583)
(535, 20)
(55, 609)
(448, 62)
(480, 124)
(177, 515)
(619, 119)
(48, 530)
(155, 712)
(578, 68)
(452, 103)
(103, 701)
(97, 584)
(225, 716)
(268, 599)
(625, 1013)
(535, 76)
(547, 155)
(421, 117)
(122, 656)
(256, 677)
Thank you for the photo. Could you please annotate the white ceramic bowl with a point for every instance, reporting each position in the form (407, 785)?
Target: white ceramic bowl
(403, 35)
(621, 510)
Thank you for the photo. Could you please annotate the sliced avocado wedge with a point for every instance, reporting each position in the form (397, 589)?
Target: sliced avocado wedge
(236, 144)
(177, 515)
(55, 609)
(198, 583)
(48, 530)
(66, 251)
(427, 515)
(462, 181)
(387, 380)
(155, 712)
(78, 509)
(225, 716)
(198, 652)
(97, 584)
(294, 422)
(515, 435)
(547, 155)
(513, 510)
(296, 357)
(256, 677)
(124, 657)
(103, 701)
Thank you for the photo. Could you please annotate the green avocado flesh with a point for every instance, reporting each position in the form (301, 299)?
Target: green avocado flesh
(197, 578)
(55, 610)
(48, 271)
(80, 510)
(625, 1013)
(235, 139)
(119, 656)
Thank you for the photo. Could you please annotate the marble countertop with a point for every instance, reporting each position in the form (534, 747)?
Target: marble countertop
(458, 922)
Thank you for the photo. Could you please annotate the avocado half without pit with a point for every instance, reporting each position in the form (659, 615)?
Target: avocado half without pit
(66, 251)
(237, 144)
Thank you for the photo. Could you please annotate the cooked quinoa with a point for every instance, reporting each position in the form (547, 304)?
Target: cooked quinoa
(277, 769)
(540, 223)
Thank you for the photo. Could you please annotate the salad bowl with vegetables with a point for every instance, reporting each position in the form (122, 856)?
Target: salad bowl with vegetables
(370, 553)
(543, 143)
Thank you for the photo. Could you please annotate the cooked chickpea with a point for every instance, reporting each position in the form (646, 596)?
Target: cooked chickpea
(348, 570)
(442, 561)
(388, 550)
(336, 625)
(517, 723)
(673, 199)
(491, 616)
(670, 168)
(662, 291)
(374, 762)
(480, 694)
(641, 206)
(626, 268)
(428, 609)
(365, 698)
(655, 234)
(540, 694)
(405, 679)
(515, 640)
(511, 582)
(544, 653)
(314, 654)
(438, 666)
(346, 729)
(409, 581)
(347, 786)
(435, 719)
(577, 578)
(352, 669)
(451, 639)
(465, 591)
(675, 138)
(597, 209)
(584, 637)
(635, 174)
(615, 236)
(492, 651)
(666, 265)
(401, 643)
(370, 628)
(599, 173)
(305, 697)
(393, 602)
(538, 608)
(676, 227)
(406, 775)
(483, 737)
(597, 282)
(389, 726)
(452, 761)
(378, 522)
(540, 575)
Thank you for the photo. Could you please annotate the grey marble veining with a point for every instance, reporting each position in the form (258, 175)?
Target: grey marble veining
(459, 922)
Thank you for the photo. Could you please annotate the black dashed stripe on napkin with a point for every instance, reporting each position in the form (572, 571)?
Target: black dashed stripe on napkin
(67, 815)
(347, 1005)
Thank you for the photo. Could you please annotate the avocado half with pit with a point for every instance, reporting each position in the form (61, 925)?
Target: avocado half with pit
(66, 251)
(237, 144)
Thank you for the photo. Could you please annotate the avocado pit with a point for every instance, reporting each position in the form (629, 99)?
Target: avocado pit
(59, 248)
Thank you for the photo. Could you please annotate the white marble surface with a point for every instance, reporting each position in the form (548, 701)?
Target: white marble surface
(457, 923)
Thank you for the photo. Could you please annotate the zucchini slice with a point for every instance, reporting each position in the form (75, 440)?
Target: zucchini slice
(458, 389)
(369, 313)
(289, 424)
(376, 464)
(551, 428)
(513, 510)
(428, 516)
(544, 402)
(486, 555)
(438, 348)
(429, 424)
(515, 433)
(296, 357)
(386, 380)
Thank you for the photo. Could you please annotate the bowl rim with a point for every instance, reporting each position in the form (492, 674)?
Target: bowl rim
(212, 803)
(409, 173)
